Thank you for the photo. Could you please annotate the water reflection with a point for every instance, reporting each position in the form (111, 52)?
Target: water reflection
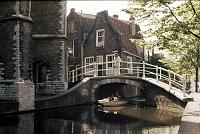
(91, 119)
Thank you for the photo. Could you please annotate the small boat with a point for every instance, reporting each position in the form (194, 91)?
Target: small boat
(112, 102)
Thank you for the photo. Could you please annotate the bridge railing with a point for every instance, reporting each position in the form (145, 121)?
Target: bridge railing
(137, 69)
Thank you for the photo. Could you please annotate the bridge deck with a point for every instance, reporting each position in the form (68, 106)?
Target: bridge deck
(190, 122)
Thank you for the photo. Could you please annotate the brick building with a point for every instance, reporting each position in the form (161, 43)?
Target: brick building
(97, 38)
(32, 50)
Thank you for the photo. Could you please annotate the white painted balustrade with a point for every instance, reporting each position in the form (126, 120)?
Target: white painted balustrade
(135, 69)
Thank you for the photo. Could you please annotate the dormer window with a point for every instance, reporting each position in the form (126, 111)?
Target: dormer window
(100, 38)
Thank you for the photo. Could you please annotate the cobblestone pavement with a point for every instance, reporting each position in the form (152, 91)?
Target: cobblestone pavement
(190, 122)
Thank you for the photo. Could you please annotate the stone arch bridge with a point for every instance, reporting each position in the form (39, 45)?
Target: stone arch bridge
(161, 88)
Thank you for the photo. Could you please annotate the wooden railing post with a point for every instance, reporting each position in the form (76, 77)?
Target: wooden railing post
(82, 71)
(143, 75)
(169, 75)
(95, 69)
(174, 77)
(76, 75)
(72, 75)
(118, 68)
(115, 67)
(160, 72)
(157, 73)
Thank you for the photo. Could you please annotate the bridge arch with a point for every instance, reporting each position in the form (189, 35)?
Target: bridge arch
(87, 91)
(116, 87)
(155, 96)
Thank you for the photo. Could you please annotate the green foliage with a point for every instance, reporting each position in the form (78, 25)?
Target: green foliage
(173, 26)
(157, 59)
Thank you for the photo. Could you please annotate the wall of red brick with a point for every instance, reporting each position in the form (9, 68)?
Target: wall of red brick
(110, 44)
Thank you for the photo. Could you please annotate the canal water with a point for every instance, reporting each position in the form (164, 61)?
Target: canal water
(93, 119)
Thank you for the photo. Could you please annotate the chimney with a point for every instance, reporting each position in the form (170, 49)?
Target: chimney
(115, 16)
(105, 12)
(133, 28)
(72, 9)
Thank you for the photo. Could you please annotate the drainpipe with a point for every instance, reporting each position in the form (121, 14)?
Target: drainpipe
(82, 54)
(82, 59)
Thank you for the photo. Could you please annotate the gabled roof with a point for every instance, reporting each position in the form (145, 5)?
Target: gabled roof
(120, 27)
(86, 20)
(123, 27)
(87, 16)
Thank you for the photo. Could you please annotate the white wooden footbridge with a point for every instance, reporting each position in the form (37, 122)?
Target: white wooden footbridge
(168, 80)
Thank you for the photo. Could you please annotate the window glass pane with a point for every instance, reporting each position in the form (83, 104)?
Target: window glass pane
(100, 38)
(99, 59)
(109, 64)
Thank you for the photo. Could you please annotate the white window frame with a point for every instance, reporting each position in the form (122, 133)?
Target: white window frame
(100, 44)
(110, 69)
(90, 67)
(99, 62)
(101, 57)
(129, 65)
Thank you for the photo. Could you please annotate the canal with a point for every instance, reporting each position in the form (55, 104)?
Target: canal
(93, 119)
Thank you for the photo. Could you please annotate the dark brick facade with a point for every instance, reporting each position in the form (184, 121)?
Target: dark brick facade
(112, 42)
(117, 35)
(49, 44)
(32, 33)
(49, 17)
(15, 55)
(83, 23)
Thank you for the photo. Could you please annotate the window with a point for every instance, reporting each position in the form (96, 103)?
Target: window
(100, 38)
(89, 68)
(75, 48)
(72, 26)
(99, 61)
(110, 64)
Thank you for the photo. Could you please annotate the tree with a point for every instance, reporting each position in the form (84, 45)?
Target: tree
(157, 59)
(174, 26)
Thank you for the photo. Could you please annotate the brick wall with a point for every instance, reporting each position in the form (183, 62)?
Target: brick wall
(110, 44)
(7, 52)
(49, 41)
(26, 51)
(15, 54)
(8, 91)
(49, 17)
(78, 34)
(26, 94)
